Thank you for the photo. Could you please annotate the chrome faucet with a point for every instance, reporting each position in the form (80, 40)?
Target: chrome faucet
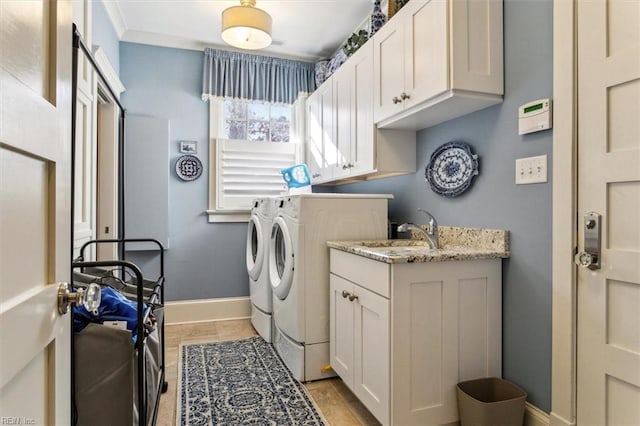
(433, 228)
(431, 234)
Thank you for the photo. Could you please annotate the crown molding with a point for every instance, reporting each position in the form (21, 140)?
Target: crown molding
(163, 40)
(116, 17)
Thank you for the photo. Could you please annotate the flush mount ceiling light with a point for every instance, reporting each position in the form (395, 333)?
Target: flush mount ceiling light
(246, 26)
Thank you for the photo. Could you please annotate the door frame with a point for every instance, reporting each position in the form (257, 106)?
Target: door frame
(108, 141)
(564, 215)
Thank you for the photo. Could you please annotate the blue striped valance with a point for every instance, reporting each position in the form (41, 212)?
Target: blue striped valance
(252, 77)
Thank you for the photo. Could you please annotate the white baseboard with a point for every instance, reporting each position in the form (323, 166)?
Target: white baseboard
(556, 420)
(186, 311)
(533, 416)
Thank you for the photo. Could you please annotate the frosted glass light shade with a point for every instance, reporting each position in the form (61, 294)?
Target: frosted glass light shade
(246, 27)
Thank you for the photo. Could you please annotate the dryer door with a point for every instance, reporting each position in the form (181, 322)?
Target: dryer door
(255, 248)
(280, 259)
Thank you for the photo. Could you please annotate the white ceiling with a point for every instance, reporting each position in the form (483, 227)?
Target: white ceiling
(306, 29)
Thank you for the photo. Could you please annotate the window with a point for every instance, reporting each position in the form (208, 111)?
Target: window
(250, 143)
(257, 121)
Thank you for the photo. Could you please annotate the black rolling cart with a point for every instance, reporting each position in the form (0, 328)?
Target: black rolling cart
(119, 381)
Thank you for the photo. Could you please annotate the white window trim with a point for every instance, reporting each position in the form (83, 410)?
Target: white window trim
(215, 214)
(215, 122)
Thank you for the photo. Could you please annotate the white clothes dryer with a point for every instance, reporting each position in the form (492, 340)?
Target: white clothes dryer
(299, 270)
(258, 232)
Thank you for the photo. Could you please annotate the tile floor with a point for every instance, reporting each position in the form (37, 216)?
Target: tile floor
(336, 402)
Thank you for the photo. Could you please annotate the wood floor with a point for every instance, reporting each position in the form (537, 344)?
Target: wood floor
(336, 402)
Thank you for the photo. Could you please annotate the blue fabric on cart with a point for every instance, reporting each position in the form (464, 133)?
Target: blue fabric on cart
(113, 307)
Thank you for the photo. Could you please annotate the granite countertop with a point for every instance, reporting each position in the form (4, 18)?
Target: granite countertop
(455, 244)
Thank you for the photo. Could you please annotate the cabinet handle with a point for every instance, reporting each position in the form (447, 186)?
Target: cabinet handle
(315, 175)
(396, 100)
(345, 167)
(350, 165)
(352, 297)
(404, 96)
(346, 294)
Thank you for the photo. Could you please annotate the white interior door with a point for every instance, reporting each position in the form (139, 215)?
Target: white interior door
(608, 356)
(84, 227)
(107, 180)
(84, 190)
(35, 202)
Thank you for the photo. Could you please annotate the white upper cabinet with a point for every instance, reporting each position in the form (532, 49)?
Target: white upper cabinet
(352, 89)
(437, 60)
(321, 135)
(362, 148)
(343, 141)
(343, 100)
(315, 151)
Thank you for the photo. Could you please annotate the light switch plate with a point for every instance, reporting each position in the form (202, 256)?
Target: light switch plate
(531, 170)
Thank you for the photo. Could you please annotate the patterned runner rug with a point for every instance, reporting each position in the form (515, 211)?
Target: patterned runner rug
(241, 382)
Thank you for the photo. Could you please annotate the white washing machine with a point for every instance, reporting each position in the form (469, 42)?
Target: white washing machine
(258, 232)
(299, 270)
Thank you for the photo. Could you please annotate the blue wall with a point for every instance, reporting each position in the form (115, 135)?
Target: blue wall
(104, 35)
(494, 201)
(204, 260)
(207, 260)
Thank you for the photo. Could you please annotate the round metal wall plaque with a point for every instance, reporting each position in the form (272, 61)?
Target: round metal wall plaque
(451, 168)
(188, 167)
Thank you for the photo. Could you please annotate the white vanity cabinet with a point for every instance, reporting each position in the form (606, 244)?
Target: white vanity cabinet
(404, 334)
(437, 60)
(359, 333)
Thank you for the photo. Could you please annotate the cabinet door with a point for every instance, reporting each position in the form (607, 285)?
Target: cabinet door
(363, 142)
(372, 348)
(315, 151)
(426, 42)
(388, 56)
(342, 101)
(325, 93)
(341, 332)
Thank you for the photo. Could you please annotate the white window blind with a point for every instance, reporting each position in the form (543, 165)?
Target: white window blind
(247, 170)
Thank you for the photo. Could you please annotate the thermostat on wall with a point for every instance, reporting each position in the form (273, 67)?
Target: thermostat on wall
(534, 116)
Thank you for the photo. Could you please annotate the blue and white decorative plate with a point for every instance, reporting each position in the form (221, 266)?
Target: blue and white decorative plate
(335, 62)
(188, 167)
(451, 168)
